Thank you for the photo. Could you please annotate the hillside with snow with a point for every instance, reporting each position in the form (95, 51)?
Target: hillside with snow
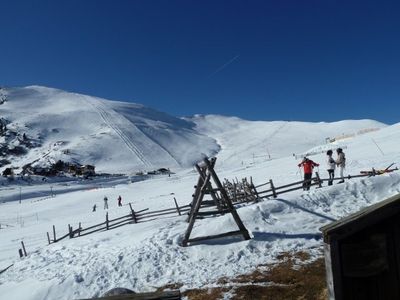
(148, 255)
(113, 136)
(45, 125)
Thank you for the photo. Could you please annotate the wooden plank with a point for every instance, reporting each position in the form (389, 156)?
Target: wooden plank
(93, 231)
(71, 235)
(273, 188)
(177, 206)
(209, 190)
(218, 236)
(142, 210)
(214, 212)
(48, 238)
(194, 211)
(91, 227)
(170, 210)
(63, 237)
(263, 184)
(290, 184)
(54, 234)
(130, 206)
(120, 218)
(117, 224)
(336, 271)
(264, 192)
(2, 271)
(167, 295)
(23, 248)
(152, 215)
(226, 198)
(294, 189)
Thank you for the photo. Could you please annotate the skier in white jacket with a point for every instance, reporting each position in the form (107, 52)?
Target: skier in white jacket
(341, 163)
(331, 164)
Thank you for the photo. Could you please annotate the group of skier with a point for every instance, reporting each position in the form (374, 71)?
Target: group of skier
(308, 166)
(105, 199)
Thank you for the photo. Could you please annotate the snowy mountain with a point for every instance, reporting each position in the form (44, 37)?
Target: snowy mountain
(147, 255)
(46, 125)
(113, 136)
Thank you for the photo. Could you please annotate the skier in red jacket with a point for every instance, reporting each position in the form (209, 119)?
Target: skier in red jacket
(308, 166)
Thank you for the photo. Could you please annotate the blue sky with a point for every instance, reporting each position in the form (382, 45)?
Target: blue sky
(258, 60)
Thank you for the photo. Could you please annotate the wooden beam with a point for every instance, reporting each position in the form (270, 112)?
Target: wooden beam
(54, 234)
(195, 210)
(167, 295)
(273, 188)
(228, 202)
(217, 236)
(23, 248)
(177, 206)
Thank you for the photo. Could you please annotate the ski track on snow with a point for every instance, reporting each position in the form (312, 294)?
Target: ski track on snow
(108, 119)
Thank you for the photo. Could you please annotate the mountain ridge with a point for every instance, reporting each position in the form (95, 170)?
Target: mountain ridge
(118, 136)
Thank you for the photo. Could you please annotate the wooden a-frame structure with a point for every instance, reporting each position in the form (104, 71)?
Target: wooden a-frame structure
(220, 201)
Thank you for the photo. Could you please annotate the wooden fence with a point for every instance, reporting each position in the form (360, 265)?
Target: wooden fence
(132, 218)
(274, 191)
(251, 194)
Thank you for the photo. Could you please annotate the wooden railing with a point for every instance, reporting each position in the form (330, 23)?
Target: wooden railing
(132, 218)
(145, 215)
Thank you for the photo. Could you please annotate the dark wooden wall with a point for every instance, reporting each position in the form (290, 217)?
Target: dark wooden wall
(369, 263)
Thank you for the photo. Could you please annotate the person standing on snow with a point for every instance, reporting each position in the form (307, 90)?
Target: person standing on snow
(119, 200)
(105, 202)
(341, 163)
(331, 164)
(308, 166)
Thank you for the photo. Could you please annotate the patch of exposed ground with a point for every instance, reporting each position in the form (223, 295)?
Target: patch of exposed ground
(293, 277)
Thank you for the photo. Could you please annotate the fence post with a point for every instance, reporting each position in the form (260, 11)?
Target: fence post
(273, 188)
(70, 231)
(234, 192)
(20, 253)
(79, 229)
(48, 238)
(318, 179)
(133, 214)
(54, 234)
(107, 220)
(134, 217)
(23, 248)
(130, 205)
(177, 207)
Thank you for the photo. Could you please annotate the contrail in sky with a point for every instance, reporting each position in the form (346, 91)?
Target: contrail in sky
(224, 65)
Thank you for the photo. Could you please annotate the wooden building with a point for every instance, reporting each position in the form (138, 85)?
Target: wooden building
(362, 253)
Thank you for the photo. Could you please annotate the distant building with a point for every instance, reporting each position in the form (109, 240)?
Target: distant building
(88, 170)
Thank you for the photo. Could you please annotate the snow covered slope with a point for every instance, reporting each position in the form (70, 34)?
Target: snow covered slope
(244, 142)
(147, 255)
(114, 136)
(118, 136)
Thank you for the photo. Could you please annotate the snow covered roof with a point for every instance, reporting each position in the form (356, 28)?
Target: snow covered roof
(362, 219)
